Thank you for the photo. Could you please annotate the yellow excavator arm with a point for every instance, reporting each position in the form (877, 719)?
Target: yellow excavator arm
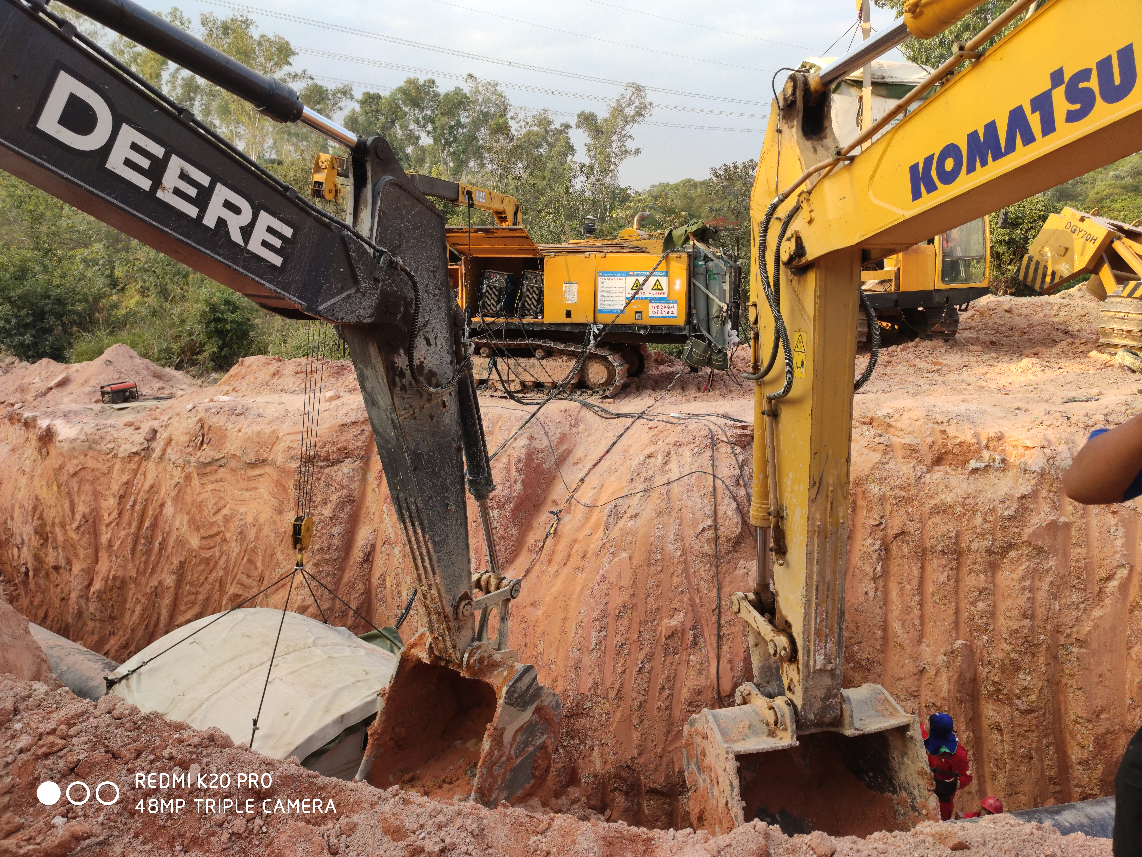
(506, 209)
(1055, 98)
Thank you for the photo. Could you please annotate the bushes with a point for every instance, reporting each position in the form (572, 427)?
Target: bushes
(1012, 231)
(221, 328)
(39, 309)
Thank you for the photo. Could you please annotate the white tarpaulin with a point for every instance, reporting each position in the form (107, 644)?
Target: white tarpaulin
(324, 679)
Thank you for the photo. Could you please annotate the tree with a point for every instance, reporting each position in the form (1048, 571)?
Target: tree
(932, 52)
(258, 136)
(534, 161)
(608, 145)
(1012, 231)
(444, 134)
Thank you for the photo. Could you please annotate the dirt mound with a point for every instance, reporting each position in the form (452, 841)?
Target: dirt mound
(165, 772)
(974, 586)
(20, 655)
(275, 375)
(47, 384)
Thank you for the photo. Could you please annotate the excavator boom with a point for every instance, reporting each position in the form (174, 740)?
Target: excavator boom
(1053, 99)
(83, 128)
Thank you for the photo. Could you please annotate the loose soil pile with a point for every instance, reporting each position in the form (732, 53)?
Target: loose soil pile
(52, 736)
(974, 586)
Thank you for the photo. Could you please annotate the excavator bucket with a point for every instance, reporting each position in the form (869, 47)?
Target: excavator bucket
(748, 763)
(485, 731)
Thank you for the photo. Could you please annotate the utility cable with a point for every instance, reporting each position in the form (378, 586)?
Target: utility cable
(692, 24)
(353, 31)
(588, 346)
(717, 575)
(656, 51)
(436, 73)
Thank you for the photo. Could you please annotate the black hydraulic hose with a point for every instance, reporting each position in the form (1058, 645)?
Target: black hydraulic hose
(780, 333)
(270, 97)
(874, 340)
(776, 280)
(777, 284)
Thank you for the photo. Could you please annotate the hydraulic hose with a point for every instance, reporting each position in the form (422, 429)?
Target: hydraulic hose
(776, 279)
(780, 333)
(874, 340)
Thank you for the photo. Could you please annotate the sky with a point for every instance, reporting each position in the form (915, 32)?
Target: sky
(707, 67)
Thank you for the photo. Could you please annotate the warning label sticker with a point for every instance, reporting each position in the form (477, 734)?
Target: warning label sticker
(570, 293)
(616, 287)
(799, 354)
(663, 309)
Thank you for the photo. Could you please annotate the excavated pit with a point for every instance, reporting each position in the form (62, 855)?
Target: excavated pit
(973, 586)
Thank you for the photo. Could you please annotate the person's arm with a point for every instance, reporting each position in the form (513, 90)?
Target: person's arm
(962, 766)
(1106, 465)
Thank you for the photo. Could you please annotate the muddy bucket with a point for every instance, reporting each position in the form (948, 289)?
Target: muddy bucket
(484, 731)
(748, 763)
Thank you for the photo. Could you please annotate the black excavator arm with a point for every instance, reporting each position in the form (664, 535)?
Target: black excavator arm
(84, 129)
(80, 126)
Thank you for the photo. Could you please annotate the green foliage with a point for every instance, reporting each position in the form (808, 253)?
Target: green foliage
(1115, 190)
(39, 310)
(284, 337)
(932, 52)
(222, 324)
(1012, 231)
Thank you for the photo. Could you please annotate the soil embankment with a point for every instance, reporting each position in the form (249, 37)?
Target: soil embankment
(973, 585)
(52, 736)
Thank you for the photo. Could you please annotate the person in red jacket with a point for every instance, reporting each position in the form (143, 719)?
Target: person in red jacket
(947, 759)
(987, 806)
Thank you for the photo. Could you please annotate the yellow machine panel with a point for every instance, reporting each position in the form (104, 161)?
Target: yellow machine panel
(1069, 244)
(918, 268)
(569, 289)
(617, 275)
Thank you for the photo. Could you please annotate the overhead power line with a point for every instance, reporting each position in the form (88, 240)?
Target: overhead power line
(700, 26)
(521, 86)
(558, 112)
(325, 25)
(656, 51)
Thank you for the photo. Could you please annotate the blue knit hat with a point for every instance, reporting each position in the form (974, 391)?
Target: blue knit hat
(941, 738)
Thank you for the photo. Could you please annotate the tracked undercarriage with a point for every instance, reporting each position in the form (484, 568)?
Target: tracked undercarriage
(519, 364)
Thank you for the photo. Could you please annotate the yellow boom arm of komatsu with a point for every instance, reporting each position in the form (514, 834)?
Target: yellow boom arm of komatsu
(1055, 98)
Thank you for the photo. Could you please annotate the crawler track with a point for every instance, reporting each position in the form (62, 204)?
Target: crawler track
(519, 364)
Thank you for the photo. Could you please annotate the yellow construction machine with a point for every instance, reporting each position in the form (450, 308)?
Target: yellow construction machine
(1072, 244)
(1053, 99)
(531, 308)
(920, 291)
